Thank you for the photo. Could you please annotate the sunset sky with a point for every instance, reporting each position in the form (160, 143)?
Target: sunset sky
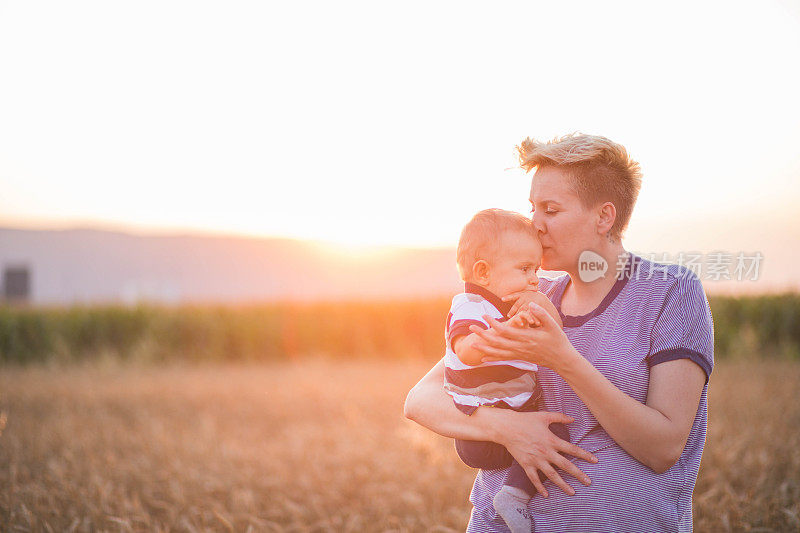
(391, 124)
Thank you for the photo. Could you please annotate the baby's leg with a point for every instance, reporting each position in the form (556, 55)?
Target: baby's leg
(511, 501)
(518, 479)
(560, 431)
(483, 454)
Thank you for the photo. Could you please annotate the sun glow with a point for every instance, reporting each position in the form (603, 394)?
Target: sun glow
(220, 120)
(349, 252)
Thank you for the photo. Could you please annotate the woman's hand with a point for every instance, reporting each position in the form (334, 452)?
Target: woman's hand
(524, 319)
(523, 298)
(527, 437)
(546, 345)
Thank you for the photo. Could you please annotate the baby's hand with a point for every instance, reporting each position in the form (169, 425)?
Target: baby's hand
(523, 298)
(524, 319)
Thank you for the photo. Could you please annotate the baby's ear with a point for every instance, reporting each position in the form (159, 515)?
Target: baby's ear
(480, 271)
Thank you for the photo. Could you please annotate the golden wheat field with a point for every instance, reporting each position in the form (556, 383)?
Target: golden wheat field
(315, 445)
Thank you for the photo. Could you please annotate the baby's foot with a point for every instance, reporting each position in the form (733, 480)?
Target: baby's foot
(511, 504)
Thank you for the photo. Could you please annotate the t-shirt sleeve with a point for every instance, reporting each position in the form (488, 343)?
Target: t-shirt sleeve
(547, 285)
(463, 315)
(684, 328)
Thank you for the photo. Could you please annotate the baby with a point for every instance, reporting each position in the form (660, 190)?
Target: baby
(498, 254)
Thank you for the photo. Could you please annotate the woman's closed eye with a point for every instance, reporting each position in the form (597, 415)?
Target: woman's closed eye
(547, 210)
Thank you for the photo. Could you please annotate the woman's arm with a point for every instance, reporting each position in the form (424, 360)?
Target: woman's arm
(654, 433)
(464, 346)
(430, 406)
(526, 436)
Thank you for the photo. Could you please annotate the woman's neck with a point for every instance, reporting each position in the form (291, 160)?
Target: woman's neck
(587, 288)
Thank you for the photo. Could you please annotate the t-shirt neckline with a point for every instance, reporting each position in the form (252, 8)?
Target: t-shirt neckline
(571, 321)
(501, 306)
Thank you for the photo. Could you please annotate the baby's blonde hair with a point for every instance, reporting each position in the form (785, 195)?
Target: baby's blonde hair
(480, 238)
(601, 170)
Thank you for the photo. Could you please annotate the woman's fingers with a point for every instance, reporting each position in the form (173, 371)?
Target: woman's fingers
(569, 467)
(523, 319)
(570, 449)
(567, 447)
(515, 308)
(551, 473)
(542, 315)
(533, 475)
(499, 327)
(494, 358)
(490, 353)
(493, 347)
(519, 321)
(559, 417)
(532, 320)
(521, 298)
(503, 329)
(484, 334)
(494, 336)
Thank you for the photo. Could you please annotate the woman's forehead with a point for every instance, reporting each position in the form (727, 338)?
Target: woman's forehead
(551, 184)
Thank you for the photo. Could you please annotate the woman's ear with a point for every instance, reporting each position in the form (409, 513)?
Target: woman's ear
(607, 215)
(480, 272)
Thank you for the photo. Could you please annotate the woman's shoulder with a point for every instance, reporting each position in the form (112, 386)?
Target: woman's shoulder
(550, 281)
(654, 278)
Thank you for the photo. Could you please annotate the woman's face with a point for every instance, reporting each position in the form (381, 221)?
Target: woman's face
(566, 228)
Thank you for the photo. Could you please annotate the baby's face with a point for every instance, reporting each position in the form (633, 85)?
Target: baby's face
(514, 267)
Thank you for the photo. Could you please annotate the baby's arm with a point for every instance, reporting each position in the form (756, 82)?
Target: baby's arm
(539, 298)
(466, 352)
(464, 347)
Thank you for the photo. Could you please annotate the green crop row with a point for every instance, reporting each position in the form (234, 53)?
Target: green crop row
(213, 332)
(748, 327)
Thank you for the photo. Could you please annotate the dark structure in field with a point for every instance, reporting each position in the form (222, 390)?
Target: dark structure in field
(16, 283)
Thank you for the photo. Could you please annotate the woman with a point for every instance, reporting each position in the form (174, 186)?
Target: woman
(629, 370)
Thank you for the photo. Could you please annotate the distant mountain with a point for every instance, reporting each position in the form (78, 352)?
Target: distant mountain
(84, 265)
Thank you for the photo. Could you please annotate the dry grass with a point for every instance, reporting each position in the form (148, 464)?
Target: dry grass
(317, 446)
(750, 474)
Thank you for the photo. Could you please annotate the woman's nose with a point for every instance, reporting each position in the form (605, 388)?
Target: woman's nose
(537, 223)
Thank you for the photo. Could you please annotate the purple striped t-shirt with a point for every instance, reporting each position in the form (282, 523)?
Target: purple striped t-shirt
(653, 314)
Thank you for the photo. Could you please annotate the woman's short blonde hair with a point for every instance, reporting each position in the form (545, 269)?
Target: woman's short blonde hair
(481, 237)
(601, 170)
